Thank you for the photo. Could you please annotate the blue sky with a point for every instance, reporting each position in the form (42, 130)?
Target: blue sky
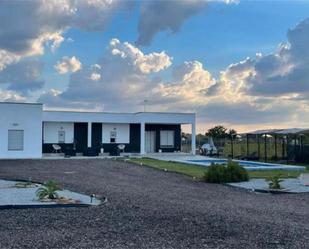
(218, 36)
(207, 54)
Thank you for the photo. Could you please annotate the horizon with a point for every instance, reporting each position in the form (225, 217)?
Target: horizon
(241, 64)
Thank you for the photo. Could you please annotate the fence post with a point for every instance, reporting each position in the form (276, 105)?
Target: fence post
(265, 147)
(276, 155)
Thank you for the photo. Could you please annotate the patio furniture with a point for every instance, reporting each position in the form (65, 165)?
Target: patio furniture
(56, 148)
(121, 147)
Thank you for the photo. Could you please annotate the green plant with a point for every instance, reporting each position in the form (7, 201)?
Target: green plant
(215, 173)
(232, 172)
(236, 173)
(274, 182)
(48, 190)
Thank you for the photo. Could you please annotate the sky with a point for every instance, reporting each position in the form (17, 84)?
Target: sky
(243, 64)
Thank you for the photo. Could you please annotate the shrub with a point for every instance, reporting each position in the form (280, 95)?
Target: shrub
(274, 182)
(48, 190)
(232, 172)
(236, 172)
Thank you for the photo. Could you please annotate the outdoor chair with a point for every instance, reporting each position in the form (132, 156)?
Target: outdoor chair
(56, 148)
(121, 147)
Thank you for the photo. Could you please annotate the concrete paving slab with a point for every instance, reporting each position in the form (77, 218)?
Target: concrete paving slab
(17, 196)
(292, 185)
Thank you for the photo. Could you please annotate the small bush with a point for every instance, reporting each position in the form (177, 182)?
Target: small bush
(274, 182)
(232, 172)
(236, 172)
(48, 190)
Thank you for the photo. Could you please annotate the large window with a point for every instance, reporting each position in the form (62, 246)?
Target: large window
(167, 139)
(61, 137)
(15, 140)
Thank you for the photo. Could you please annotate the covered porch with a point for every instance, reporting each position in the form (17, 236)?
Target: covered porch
(95, 135)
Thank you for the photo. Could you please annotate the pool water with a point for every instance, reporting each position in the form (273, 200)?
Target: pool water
(248, 164)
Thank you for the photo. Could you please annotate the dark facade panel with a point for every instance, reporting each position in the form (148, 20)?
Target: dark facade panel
(96, 136)
(158, 127)
(80, 136)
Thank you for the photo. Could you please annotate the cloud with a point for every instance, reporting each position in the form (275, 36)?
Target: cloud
(284, 72)
(120, 77)
(10, 96)
(153, 62)
(168, 15)
(27, 26)
(189, 83)
(7, 58)
(68, 65)
(125, 76)
(95, 76)
(23, 76)
(269, 90)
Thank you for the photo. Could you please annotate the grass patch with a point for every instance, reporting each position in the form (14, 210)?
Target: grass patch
(182, 168)
(199, 171)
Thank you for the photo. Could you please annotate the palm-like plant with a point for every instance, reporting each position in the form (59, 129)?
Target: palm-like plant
(48, 190)
(274, 182)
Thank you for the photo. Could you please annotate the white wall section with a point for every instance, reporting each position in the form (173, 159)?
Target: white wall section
(22, 117)
(51, 131)
(122, 133)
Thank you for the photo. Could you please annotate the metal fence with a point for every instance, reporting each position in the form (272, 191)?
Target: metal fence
(266, 147)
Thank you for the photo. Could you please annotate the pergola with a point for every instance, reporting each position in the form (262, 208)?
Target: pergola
(281, 135)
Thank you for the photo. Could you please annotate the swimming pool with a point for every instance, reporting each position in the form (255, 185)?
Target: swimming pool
(249, 165)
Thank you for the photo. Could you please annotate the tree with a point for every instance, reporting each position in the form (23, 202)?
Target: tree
(232, 133)
(218, 131)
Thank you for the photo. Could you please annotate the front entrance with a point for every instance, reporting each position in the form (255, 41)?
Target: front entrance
(80, 136)
(150, 141)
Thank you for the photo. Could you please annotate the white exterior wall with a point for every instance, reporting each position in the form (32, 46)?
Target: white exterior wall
(122, 130)
(26, 117)
(51, 129)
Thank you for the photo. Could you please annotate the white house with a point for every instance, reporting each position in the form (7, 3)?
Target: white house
(28, 131)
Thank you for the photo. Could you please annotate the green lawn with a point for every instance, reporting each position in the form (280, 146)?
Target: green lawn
(182, 168)
(198, 171)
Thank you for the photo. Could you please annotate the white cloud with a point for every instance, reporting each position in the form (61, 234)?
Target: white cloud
(190, 80)
(68, 65)
(27, 26)
(7, 58)
(10, 96)
(153, 62)
(120, 76)
(95, 76)
(57, 40)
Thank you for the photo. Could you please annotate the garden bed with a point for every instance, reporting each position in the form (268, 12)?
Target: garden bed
(20, 194)
(291, 185)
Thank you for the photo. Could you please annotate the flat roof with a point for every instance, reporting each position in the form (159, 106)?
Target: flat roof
(133, 113)
(21, 103)
(280, 131)
(102, 112)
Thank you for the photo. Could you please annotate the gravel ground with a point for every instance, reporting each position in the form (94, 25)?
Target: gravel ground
(148, 208)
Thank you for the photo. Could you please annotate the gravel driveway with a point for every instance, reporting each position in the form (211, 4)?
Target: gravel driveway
(148, 208)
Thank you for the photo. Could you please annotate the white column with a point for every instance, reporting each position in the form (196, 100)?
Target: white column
(193, 137)
(142, 142)
(89, 134)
